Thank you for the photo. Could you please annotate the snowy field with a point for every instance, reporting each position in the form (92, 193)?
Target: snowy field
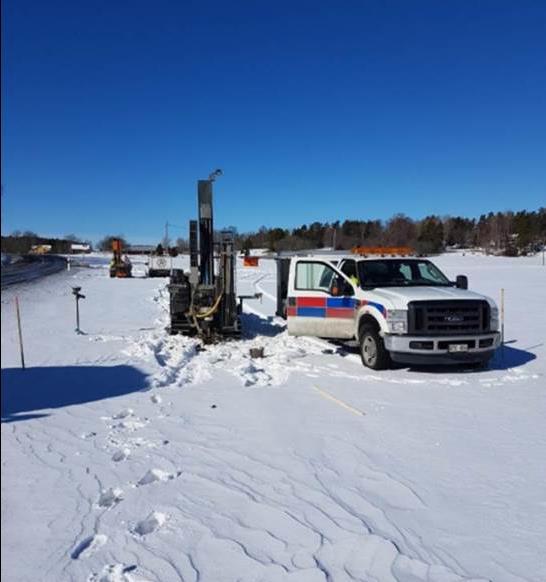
(130, 455)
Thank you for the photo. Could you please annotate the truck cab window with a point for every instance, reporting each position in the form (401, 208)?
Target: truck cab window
(349, 269)
(314, 276)
(429, 272)
(400, 272)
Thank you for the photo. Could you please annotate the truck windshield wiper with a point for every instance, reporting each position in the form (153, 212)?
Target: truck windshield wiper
(427, 284)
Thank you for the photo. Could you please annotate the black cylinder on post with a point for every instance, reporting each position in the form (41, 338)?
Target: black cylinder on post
(206, 232)
(194, 244)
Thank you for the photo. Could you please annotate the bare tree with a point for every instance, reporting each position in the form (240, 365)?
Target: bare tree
(400, 231)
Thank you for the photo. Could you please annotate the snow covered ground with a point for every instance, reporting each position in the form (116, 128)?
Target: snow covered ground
(131, 455)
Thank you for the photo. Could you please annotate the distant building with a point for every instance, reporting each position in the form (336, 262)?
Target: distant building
(78, 248)
(40, 249)
(139, 249)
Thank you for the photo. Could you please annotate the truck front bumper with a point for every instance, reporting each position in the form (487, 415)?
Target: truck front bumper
(406, 349)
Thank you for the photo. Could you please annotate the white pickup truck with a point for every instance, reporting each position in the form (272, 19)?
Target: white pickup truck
(400, 309)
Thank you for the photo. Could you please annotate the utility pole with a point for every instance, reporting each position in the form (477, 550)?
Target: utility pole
(166, 239)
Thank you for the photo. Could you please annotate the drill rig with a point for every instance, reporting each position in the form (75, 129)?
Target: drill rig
(119, 267)
(203, 301)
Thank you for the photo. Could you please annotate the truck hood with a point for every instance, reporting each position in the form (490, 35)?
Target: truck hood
(399, 297)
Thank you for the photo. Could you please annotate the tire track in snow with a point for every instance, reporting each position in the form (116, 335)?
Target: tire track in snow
(261, 289)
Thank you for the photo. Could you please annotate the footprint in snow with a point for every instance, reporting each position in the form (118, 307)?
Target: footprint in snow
(115, 573)
(124, 413)
(109, 497)
(156, 398)
(152, 523)
(130, 425)
(88, 546)
(153, 475)
(121, 455)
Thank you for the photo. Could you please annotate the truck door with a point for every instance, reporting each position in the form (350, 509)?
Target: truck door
(320, 300)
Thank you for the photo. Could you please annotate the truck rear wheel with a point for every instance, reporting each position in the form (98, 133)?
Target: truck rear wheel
(372, 349)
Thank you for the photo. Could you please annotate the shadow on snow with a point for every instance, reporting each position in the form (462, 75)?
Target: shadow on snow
(510, 357)
(504, 358)
(254, 325)
(24, 392)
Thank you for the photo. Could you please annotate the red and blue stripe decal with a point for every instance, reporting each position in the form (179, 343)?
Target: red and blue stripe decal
(337, 307)
(378, 306)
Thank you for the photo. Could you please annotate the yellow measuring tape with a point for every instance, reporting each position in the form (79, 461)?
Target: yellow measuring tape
(339, 402)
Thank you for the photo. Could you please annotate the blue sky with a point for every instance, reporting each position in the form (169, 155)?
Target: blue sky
(111, 110)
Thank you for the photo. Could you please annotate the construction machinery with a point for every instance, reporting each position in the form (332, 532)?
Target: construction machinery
(120, 266)
(160, 265)
(203, 301)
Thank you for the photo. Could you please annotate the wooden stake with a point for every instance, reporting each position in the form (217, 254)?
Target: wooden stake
(339, 402)
(20, 332)
(502, 315)
(502, 323)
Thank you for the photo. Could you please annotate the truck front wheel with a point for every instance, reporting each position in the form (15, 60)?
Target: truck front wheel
(372, 349)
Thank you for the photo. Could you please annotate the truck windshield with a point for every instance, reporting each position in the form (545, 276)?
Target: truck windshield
(400, 273)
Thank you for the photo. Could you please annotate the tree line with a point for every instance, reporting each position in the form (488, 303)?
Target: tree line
(509, 233)
(20, 243)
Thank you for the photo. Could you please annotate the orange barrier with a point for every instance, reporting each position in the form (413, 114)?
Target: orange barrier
(401, 251)
(251, 261)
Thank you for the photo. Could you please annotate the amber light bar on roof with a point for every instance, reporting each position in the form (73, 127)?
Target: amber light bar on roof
(383, 251)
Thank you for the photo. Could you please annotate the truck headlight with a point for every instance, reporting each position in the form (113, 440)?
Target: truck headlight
(397, 320)
(494, 319)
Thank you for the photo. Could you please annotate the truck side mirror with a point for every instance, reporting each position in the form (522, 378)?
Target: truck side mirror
(461, 282)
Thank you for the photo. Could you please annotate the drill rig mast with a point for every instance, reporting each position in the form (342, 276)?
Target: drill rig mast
(204, 302)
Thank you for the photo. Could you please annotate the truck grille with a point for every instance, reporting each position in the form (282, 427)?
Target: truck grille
(457, 317)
